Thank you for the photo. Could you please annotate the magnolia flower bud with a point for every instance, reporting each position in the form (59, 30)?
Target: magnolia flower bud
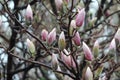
(73, 24)
(61, 42)
(112, 45)
(29, 13)
(58, 4)
(77, 39)
(117, 35)
(51, 36)
(88, 74)
(44, 34)
(80, 18)
(72, 27)
(87, 52)
(30, 47)
(96, 48)
(54, 61)
(67, 59)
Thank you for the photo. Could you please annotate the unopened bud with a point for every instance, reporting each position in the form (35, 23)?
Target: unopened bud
(59, 75)
(80, 18)
(29, 13)
(77, 39)
(96, 48)
(54, 61)
(73, 24)
(67, 59)
(88, 74)
(58, 4)
(87, 52)
(44, 34)
(61, 42)
(51, 36)
(30, 47)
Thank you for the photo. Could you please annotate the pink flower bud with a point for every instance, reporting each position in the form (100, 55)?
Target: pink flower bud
(29, 13)
(58, 4)
(80, 18)
(77, 39)
(54, 61)
(67, 59)
(117, 35)
(61, 42)
(88, 74)
(96, 48)
(44, 34)
(51, 36)
(31, 47)
(112, 45)
(87, 52)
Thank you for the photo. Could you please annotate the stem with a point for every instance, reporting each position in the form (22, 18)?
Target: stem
(11, 45)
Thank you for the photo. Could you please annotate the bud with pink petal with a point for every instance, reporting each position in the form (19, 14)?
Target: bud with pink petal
(29, 13)
(88, 74)
(59, 4)
(77, 39)
(96, 48)
(30, 46)
(87, 52)
(51, 36)
(80, 18)
(117, 35)
(61, 41)
(67, 59)
(44, 34)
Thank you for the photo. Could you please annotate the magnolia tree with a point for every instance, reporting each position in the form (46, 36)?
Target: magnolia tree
(59, 40)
